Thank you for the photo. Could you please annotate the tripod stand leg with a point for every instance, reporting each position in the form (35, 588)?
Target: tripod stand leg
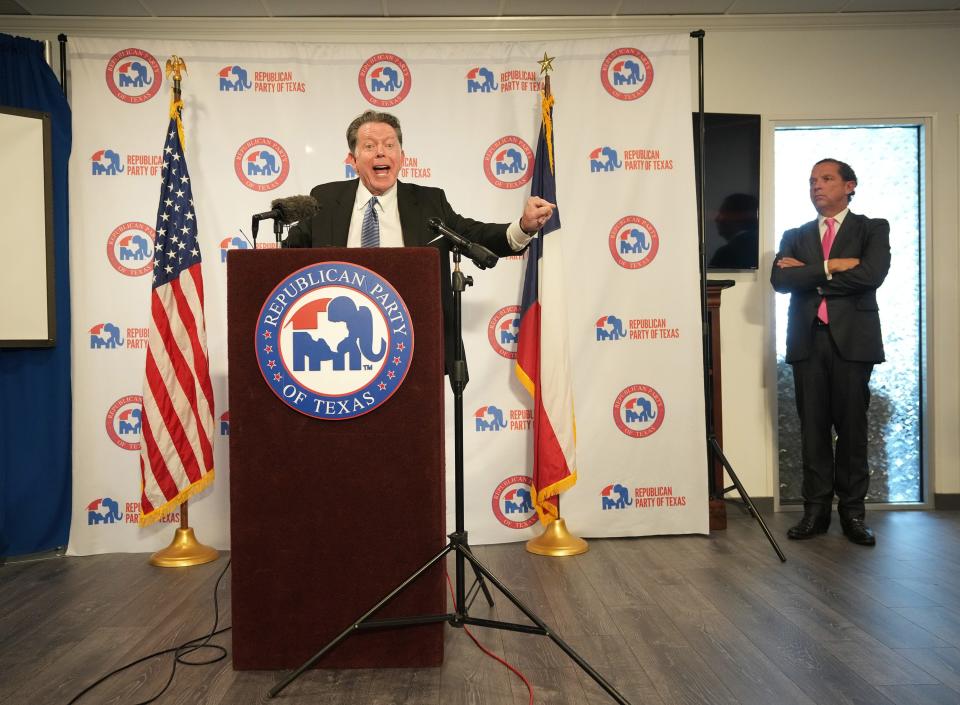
(746, 498)
(483, 586)
(356, 625)
(544, 629)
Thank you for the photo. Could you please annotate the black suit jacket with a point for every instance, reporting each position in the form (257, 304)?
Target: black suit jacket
(416, 204)
(851, 296)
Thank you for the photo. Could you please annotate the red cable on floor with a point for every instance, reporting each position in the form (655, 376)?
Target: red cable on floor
(484, 649)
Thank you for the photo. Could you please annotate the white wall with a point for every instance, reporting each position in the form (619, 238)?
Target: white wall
(890, 65)
(862, 73)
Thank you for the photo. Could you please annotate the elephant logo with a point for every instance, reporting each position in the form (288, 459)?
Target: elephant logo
(639, 411)
(626, 73)
(354, 349)
(517, 501)
(134, 247)
(512, 502)
(509, 331)
(103, 511)
(489, 418)
(123, 421)
(105, 162)
(384, 80)
(334, 340)
(225, 423)
(130, 249)
(481, 80)
(232, 243)
(261, 164)
(634, 242)
(133, 75)
(129, 421)
(508, 162)
(503, 331)
(610, 328)
(615, 496)
(234, 78)
(604, 159)
(105, 335)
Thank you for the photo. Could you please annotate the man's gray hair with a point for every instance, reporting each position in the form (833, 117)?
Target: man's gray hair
(371, 116)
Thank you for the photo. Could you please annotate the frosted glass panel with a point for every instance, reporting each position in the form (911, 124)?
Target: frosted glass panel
(888, 165)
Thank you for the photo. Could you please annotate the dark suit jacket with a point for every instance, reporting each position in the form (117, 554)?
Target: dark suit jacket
(851, 296)
(416, 204)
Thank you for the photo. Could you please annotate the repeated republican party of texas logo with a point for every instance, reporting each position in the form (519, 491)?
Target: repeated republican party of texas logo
(626, 73)
(384, 80)
(334, 340)
(133, 75)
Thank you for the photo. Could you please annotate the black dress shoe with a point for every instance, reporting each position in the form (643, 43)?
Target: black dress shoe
(855, 530)
(809, 526)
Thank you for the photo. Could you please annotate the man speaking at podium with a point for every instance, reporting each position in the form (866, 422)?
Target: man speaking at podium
(376, 210)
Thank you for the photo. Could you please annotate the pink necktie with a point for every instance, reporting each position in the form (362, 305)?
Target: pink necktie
(827, 244)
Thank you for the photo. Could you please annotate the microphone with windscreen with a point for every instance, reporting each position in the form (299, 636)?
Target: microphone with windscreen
(286, 211)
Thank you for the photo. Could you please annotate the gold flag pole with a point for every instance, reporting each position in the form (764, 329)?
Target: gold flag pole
(185, 550)
(556, 539)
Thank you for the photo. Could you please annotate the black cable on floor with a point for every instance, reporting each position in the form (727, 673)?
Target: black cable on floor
(180, 652)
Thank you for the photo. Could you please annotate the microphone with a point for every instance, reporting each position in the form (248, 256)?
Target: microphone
(286, 210)
(293, 209)
(479, 255)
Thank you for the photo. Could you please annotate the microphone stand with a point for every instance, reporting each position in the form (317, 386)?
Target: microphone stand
(458, 544)
(277, 226)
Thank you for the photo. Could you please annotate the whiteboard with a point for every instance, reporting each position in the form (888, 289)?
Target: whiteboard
(27, 311)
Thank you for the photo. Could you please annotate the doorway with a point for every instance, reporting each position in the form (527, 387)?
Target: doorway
(889, 162)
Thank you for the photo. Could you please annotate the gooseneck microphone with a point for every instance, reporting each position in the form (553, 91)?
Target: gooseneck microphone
(285, 211)
(478, 254)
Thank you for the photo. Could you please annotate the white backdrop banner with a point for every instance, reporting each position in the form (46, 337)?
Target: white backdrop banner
(268, 120)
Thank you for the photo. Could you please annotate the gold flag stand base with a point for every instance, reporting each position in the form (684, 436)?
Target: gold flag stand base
(556, 540)
(184, 551)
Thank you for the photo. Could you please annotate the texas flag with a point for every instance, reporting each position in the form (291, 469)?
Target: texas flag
(543, 359)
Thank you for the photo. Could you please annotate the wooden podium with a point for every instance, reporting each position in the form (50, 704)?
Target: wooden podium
(328, 516)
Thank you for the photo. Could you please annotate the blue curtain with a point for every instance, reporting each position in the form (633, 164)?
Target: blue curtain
(35, 398)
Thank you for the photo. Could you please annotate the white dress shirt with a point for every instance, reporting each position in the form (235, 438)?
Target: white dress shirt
(391, 233)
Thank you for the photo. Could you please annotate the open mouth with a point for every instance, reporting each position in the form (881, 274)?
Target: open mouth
(381, 169)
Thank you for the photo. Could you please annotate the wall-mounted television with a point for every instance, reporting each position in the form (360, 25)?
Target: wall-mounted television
(731, 189)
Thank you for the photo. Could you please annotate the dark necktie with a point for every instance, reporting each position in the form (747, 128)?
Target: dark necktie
(370, 230)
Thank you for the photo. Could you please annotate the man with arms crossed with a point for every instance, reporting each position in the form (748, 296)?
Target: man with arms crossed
(832, 268)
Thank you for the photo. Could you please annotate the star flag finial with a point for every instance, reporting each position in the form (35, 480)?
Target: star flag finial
(546, 63)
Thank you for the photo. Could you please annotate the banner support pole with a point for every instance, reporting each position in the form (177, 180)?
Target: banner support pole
(717, 492)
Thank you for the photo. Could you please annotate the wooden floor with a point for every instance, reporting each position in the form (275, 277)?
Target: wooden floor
(668, 620)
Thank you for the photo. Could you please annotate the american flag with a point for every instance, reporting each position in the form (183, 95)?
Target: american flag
(176, 436)
(543, 364)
